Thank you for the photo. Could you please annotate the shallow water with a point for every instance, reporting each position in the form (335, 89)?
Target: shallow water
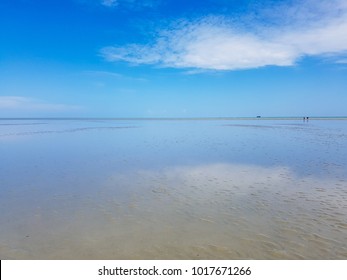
(173, 189)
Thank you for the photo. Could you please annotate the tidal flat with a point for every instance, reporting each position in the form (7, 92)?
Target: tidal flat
(173, 189)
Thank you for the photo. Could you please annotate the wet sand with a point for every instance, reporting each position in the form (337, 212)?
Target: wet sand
(132, 189)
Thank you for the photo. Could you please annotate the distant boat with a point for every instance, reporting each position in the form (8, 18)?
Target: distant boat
(258, 117)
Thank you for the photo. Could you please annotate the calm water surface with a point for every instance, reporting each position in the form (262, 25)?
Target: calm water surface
(173, 189)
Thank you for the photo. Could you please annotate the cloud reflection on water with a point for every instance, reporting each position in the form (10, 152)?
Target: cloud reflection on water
(220, 211)
(219, 204)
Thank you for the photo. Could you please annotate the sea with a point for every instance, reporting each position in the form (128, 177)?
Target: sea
(171, 188)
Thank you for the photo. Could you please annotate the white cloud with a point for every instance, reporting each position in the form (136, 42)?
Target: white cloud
(30, 104)
(280, 38)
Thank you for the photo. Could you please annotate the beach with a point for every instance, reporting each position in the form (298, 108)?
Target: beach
(247, 188)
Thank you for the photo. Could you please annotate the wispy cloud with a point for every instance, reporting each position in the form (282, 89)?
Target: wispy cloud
(341, 61)
(280, 36)
(103, 73)
(113, 75)
(30, 104)
(134, 4)
(109, 3)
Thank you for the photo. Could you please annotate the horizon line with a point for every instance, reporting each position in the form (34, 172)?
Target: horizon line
(174, 118)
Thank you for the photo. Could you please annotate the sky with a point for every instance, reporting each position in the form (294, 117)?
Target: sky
(173, 58)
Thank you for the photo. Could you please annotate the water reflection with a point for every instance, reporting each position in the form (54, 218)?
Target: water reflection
(221, 211)
(173, 190)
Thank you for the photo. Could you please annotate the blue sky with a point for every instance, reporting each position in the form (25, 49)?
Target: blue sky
(173, 58)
